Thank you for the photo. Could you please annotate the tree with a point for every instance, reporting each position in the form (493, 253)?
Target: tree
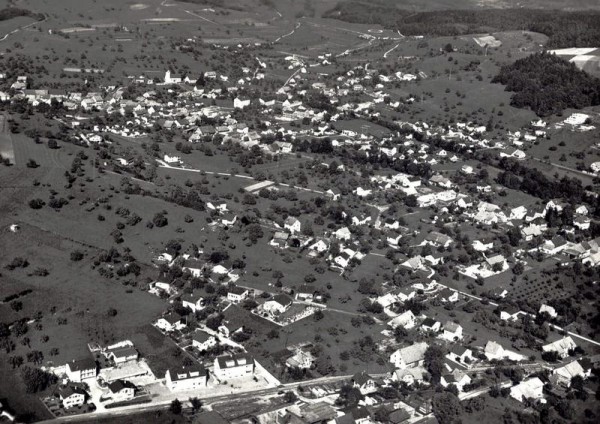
(434, 362)
(76, 255)
(36, 380)
(36, 203)
(176, 407)
(160, 220)
(52, 144)
(196, 404)
(446, 407)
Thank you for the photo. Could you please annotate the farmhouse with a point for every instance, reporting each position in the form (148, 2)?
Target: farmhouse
(186, 378)
(80, 370)
(561, 347)
(364, 382)
(410, 356)
(278, 304)
(233, 366)
(405, 320)
(528, 389)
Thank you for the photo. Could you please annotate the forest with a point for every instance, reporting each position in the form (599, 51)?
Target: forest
(548, 84)
(564, 29)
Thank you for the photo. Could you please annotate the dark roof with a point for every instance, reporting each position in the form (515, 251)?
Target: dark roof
(398, 416)
(118, 385)
(82, 364)
(123, 352)
(67, 391)
(201, 336)
(282, 299)
(345, 419)
(172, 318)
(230, 361)
(428, 322)
(361, 378)
(185, 372)
(237, 290)
(307, 288)
(511, 309)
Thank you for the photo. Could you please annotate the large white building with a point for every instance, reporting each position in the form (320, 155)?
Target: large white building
(186, 378)
(80, 370)
(71, 396)
(233, 366)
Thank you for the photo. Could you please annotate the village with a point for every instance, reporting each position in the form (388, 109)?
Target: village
(303, 239)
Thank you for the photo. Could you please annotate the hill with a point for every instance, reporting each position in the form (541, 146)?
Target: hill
(548, 84)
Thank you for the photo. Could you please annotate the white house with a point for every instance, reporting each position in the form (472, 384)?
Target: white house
(430, 324)
(121, 354)
(456, 377)
(203, 341)
(343, 234)
(236, 294)
(278, 304)
(410, 356)
(121, 390)
(170, 322)
(172, 79)
(494, 350)
(565, 374)
(549, 310)
(233, 366)
(364, 382)
(406, 320)
(301, 359)
(292, 225)
(195, 302)
(71, 396)
(452, 331)
(528, 389)
(561, 346)
(79, 370)
(409, 375)
(186, 378)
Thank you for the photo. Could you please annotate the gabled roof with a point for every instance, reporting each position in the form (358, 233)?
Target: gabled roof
(82, 364)
(237, 290)
(361, 378)
(67, 391)
(187, 372)
(118, 385)
(232, 361)
(282, 299)
(414, 353)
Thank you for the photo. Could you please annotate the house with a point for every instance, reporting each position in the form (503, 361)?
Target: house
(170, 322)
(456, 377)
(233, 366)
(510, 313)
(301, 359)
(122, 354)
(513, 153)
(236, 294)
(82, 369)
(280, 239)
(410, 356)
(553, 246)
(548, 310)
(405, 320)
(437, 239)
(186, 377)
(228, 219)
(494, 350)
(452, 331)
(565, 374)
(409, 375)
(447, 295)
(306, 292)
(71, 396)
(364, 382)
(121, 390)
(495, 263)
(343, 234)
(335, 193)
(226, 329)
(561, 347)
(195, 302)
(429, 324)
(460, 354)
(292, 225)
(482, 245)
(172, 79)
(278, 304)
(203, 341)
(528, 389)
(193, 266)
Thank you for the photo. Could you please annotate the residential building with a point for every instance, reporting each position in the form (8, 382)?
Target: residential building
(186, 378)
(452, 331)
(203, 341)
(278, 304)
(561, 347)
(80, 370)
(364, 382)
(236, 294)
(121, 390)
(71, 396)
(528, 389)
(233, 366)
(410, 356)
